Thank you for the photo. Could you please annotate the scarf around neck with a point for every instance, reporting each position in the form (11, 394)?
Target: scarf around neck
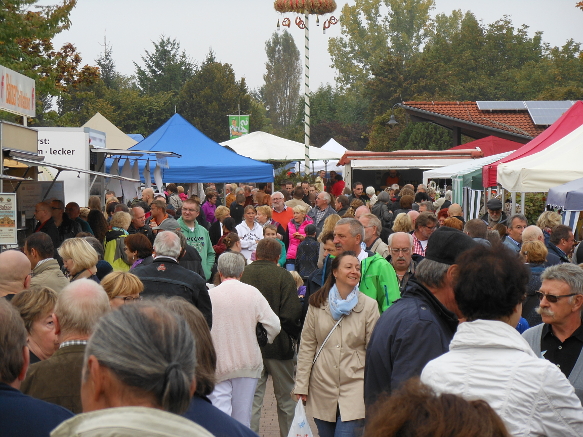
(339, 306)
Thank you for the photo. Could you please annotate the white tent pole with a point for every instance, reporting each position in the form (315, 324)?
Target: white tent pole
(307, 93)
(523, 203)
(513, 198)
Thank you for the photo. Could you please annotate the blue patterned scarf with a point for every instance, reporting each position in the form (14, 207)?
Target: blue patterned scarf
(339, 306)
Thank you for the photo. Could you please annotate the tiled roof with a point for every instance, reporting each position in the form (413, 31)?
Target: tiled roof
(516, 121)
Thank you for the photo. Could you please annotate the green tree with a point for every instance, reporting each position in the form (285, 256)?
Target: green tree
(165, 69)
(106, 66)
(211, 95)
(369, 28)
(281, 90)
(26, 33)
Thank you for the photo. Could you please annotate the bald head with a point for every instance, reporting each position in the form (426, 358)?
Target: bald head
(79, 306)
(532, 233)
(14, 272)
(454, 210)
(413, 215)
(360, 211)
(148, 195)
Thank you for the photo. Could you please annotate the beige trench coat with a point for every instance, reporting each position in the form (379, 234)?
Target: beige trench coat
(337, 378)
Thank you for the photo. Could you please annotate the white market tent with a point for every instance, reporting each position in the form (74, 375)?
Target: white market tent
(558, 164)
(461, 168)
(333, 146)
(115, 138)
(265, 147)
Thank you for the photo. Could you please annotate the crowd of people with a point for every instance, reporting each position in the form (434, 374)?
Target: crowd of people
(385, 312)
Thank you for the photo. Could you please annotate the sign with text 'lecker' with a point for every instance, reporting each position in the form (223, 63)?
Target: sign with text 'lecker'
(17, 93)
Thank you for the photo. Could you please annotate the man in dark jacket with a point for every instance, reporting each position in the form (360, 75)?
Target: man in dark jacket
(419, 326)
(562, 242)
(138, 225)
(495, 215)
(67, 228)
(165, 277)
(21, 415)
(279, 288)
(46, 223)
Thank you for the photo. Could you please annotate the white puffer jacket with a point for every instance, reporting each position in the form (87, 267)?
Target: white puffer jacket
(490, 360)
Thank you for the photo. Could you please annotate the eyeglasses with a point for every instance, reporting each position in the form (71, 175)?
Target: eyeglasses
(405, 250)
(55, 207)
(129, 299)
(553, 298)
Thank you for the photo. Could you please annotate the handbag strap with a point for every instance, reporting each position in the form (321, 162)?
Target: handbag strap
(326, 339)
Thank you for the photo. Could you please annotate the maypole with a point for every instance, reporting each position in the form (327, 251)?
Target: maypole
(307, 8)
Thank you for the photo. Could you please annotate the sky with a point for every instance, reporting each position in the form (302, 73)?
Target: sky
(237, 31)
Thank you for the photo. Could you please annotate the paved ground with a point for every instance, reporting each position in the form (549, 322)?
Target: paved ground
(269, 426)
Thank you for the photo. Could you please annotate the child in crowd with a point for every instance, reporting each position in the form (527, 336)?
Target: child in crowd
(300, 285)
(270, 231)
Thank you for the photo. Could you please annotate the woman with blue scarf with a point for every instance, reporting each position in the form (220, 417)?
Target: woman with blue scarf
(330, 371)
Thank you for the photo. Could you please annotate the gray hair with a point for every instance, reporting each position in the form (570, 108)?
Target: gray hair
(167, 244)
(447, 195)
(326, 197)
(278, 192)
(150, 349)
(13, 338)
(383, 197)
(373, 220)
(133, 213)
(520, 217)
(356, 227)
(390, 240)
(231, 265)
(80, 305)
(431, 273)
(570, 274)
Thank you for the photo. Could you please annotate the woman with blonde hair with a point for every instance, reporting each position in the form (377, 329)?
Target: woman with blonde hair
(216, 229)
(114, 242)
(265, 217)
(403, 223)
(296, 229)
(122, 288)
(354, 205)
(79, 259)
(249, 231)
(329, 224)
(36, 306)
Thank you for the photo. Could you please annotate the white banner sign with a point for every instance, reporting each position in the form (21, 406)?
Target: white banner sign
(17, 93)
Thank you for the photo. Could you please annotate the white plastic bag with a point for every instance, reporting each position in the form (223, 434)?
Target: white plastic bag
(300, 426)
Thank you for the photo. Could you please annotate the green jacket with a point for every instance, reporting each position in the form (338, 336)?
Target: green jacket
(200, 240)
(379, 281)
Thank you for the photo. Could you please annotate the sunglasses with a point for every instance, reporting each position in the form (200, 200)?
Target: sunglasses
(553, 298)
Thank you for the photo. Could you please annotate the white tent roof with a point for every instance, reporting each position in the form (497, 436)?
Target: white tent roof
(557, 164)
(333, 146)
(461, 168)
(115, 138)
(262, 146)
(385, 164)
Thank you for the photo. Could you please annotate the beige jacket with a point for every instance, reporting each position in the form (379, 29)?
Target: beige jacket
(48, 274)
(380, 247)
(337, 378)
(129, 422)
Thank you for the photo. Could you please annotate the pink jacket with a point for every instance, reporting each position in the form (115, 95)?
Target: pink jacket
(292, 228)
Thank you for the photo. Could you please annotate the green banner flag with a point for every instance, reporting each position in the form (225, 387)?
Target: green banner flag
(238, 125)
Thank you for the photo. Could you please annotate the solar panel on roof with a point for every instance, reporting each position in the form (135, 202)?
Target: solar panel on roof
(546, 113)
(511, 105)
(558, 104)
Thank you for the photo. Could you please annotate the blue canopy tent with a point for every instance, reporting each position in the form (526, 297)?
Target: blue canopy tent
(203, 160)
